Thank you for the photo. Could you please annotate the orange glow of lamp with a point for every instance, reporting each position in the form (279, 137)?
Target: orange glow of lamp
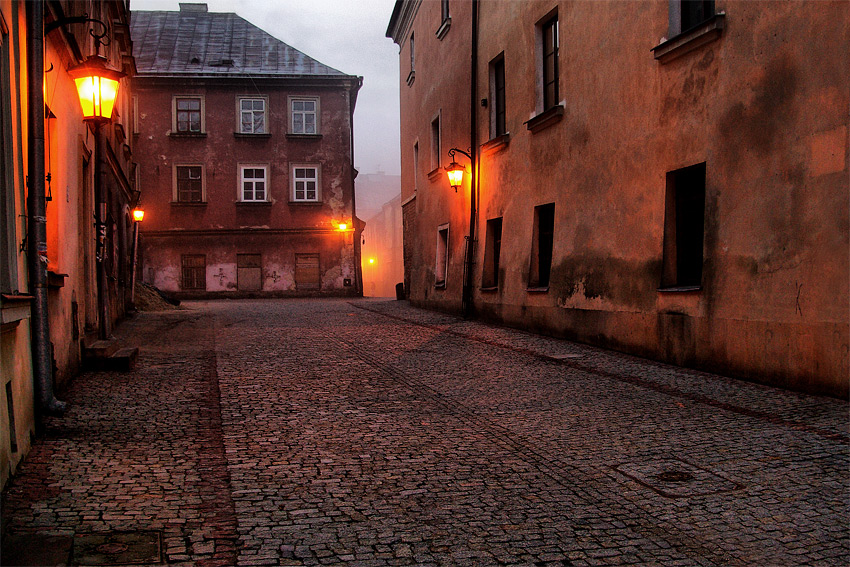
(455, 172)
(97, 88)
(138, 215)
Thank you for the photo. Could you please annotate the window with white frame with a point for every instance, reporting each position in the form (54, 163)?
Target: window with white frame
(305, 183)
(304, 116)
(253, 183)
(188, 112)
(252, 116)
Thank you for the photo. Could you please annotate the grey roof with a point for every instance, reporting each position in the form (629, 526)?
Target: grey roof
(197, 42)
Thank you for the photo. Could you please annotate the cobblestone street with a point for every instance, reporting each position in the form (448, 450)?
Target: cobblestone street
(367, 432)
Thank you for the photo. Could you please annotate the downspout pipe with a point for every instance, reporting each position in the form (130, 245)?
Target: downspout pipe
(42, 352)
(468, 307)
(358, 226)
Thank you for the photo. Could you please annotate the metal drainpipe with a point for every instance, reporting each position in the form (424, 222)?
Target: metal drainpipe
(42, 354)
(468, 307)
(357, 234)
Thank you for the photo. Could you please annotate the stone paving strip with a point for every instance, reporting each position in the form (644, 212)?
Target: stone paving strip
(328, 432)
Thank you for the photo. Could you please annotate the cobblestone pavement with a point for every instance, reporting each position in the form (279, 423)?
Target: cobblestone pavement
(312, 432)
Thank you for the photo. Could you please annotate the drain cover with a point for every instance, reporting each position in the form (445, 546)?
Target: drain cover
(674, 478)
(118, 548)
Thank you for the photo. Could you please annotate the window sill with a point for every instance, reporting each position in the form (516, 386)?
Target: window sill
(410, 78)
(686, 42)
(440, 285)
(537, 289)
(188, 204)
(15, 307)
(496, 144)
(187, 134)
(303, 136)
(680, 289)
(253, 203)
(488, 289)
(306, 203)
(250, 136)
(546, 118)
(55, 280)
(444, 28)
(434, 174)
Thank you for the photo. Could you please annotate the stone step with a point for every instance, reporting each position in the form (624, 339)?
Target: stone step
(123, 359)
(101, 349)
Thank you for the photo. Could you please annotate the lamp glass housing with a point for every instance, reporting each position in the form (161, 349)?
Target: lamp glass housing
(138, 215)
(97, 88)
(455, 172)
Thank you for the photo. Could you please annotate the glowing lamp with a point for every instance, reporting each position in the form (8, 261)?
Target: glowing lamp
(371, 260)
(343, 226)
(138, 215)
(97, 88)
(455, 172)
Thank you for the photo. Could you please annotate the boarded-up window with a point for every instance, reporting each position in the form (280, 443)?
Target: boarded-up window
(194, 272)
(307, 271)
(249, 272)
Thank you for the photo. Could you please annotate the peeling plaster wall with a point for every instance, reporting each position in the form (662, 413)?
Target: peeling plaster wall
(774, 300)
(223, 227)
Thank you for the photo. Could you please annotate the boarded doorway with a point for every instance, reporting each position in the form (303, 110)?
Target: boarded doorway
(307, 271)
(249, 272)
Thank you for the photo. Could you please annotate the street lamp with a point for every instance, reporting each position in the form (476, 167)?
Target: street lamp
(138, 216)
(97, 88)
(455, 170)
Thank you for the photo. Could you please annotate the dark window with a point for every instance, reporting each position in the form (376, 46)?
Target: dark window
(189, 115)
(189, 184)
(412, 54)
(695, 12)
(10, 408)
(683, 227)
(541, 246)
(492, 251)
(498, 70)
(550, 63)
(194, 276)
(442, 261)
(435, 143)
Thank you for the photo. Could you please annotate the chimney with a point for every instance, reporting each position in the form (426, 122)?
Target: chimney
(193, 7)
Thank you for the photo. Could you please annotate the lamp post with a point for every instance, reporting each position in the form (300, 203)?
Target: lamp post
(138, 216)
(455, 172)
(97, 88)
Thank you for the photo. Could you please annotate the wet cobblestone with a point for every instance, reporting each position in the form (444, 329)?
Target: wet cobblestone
(299, 432)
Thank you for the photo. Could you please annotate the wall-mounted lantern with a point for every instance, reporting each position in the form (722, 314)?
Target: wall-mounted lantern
(97, 88)
(455, 170)
(138, 214)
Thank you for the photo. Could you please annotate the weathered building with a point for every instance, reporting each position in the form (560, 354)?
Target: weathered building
(383, 256)
(665, 178)
(66, 192)
(245, 154)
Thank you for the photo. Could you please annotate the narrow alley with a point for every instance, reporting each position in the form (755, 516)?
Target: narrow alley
(367, 432)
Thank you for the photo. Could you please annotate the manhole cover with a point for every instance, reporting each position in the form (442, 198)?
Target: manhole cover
(674, 478)
(118, 548)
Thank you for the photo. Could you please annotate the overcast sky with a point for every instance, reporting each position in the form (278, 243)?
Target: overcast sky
(347, 35)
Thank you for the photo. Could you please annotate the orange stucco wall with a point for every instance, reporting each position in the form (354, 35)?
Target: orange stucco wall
(762, 106)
